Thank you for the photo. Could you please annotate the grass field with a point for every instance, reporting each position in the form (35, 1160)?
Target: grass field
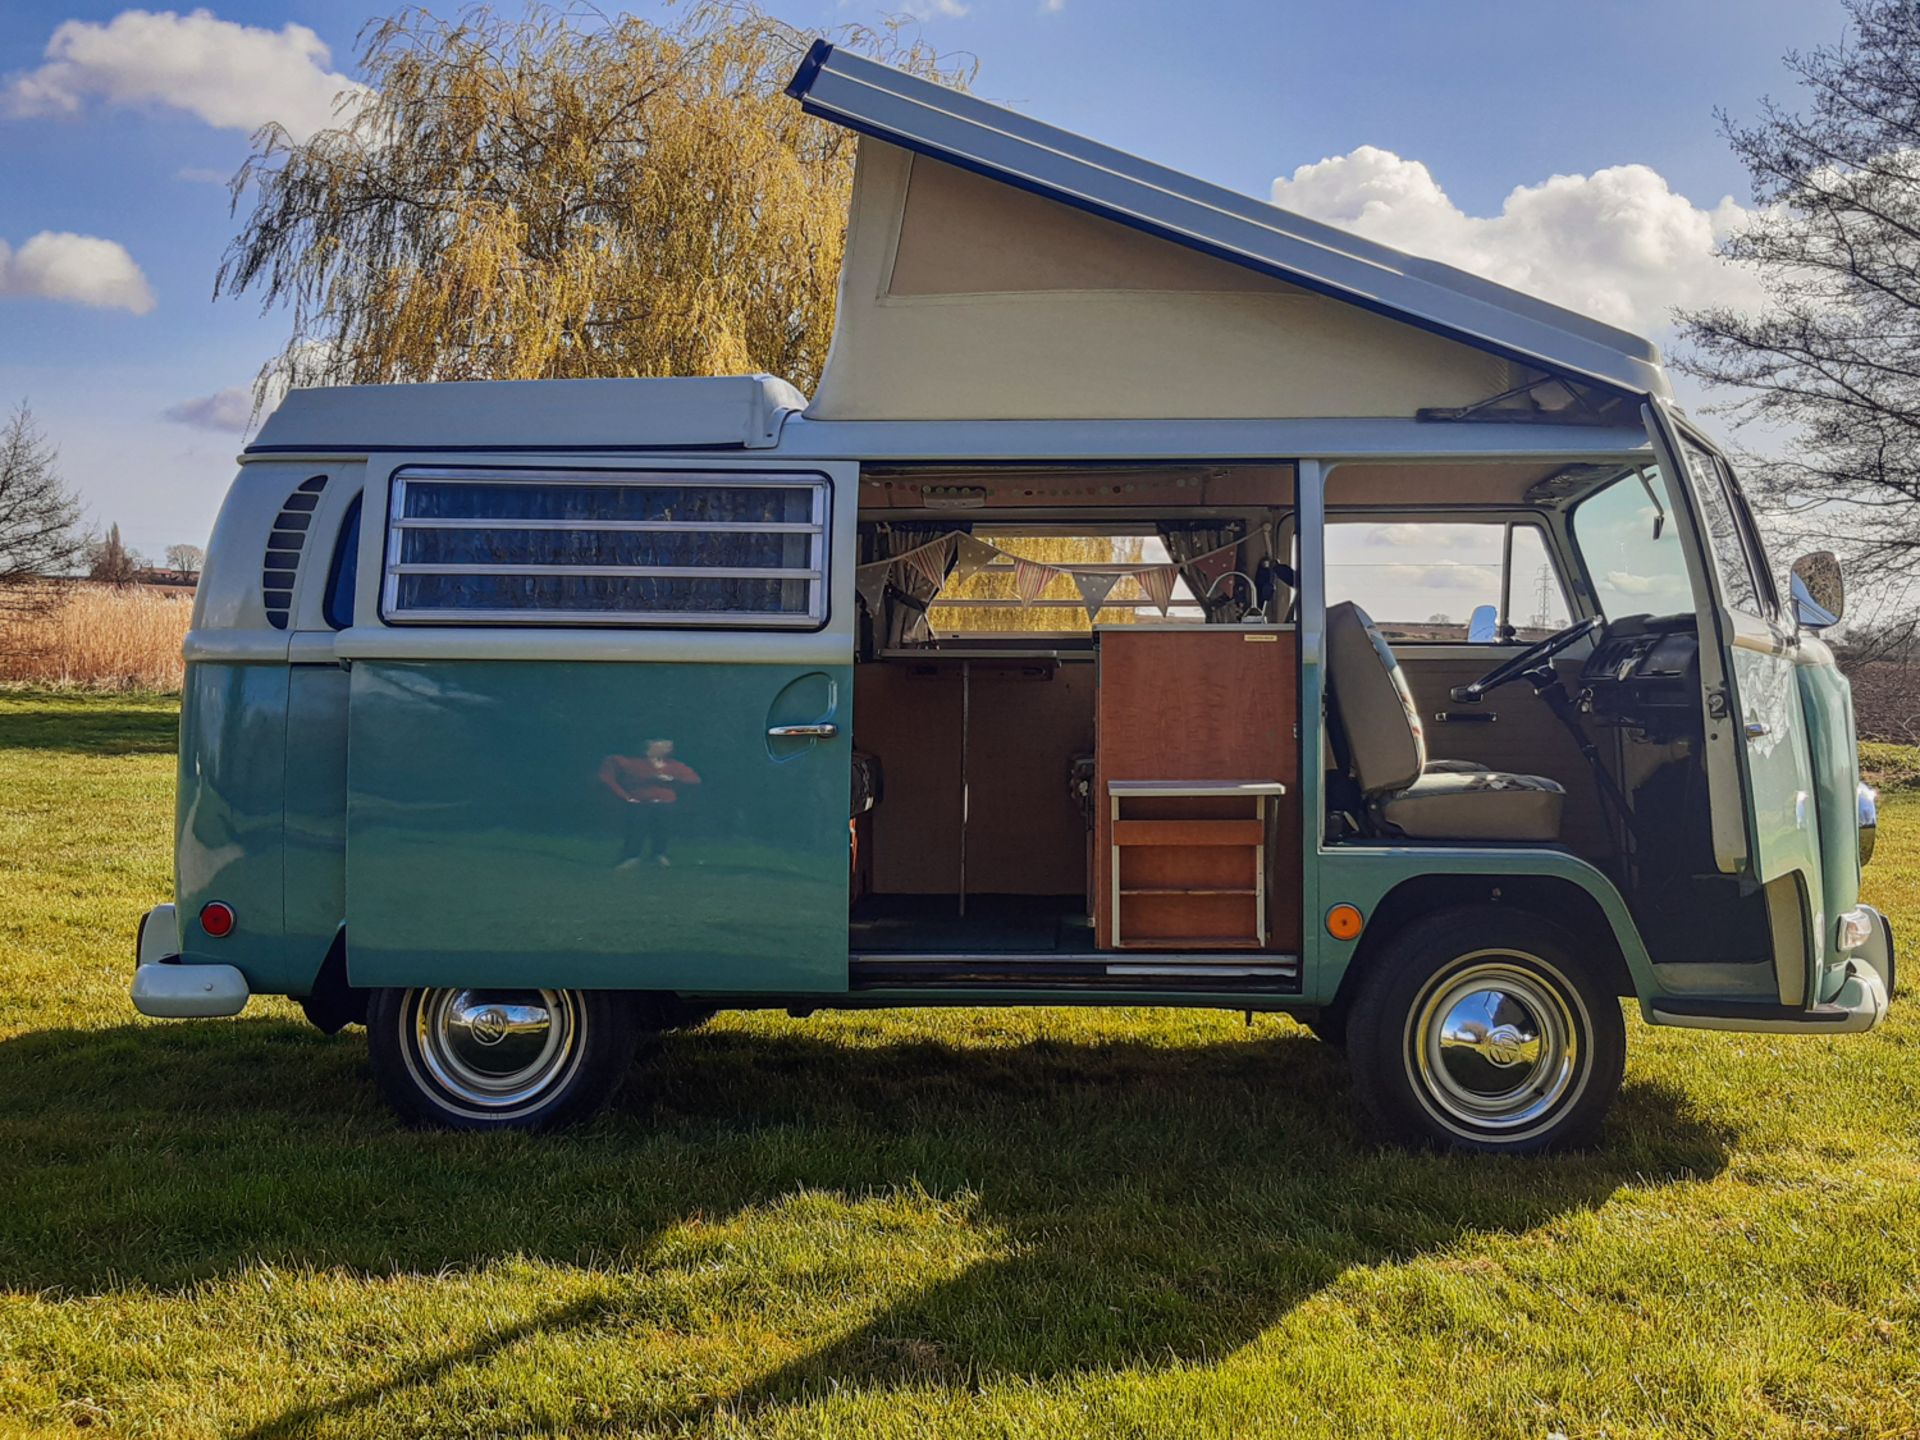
(975, 1223)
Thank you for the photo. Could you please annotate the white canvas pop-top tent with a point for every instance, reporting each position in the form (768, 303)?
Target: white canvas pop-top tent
(1001, 269)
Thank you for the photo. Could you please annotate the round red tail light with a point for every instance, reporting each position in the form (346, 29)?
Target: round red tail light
(216, 918)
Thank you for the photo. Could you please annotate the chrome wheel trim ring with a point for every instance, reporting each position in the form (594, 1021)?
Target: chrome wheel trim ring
(493, 1052)
(1498, 1045)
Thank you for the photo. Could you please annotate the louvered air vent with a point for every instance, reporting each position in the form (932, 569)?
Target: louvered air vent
(289, 537)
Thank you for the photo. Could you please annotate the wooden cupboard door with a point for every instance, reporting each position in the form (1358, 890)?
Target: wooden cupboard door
(1212, 703)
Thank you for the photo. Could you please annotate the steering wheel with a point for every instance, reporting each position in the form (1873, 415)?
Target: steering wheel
(1531, 658)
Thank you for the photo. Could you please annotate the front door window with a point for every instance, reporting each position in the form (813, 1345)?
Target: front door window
(1447, 582)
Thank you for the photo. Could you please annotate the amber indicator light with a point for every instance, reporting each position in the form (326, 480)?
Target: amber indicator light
(1344, 922)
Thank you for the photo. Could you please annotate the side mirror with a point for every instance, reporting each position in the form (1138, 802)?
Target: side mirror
(1819, 594)
(1483, 627)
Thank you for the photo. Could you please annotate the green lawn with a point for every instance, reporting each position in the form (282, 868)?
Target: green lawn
(963, 1223)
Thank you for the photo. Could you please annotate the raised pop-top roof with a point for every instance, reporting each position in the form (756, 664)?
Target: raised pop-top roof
(724, 411)
(957, 129)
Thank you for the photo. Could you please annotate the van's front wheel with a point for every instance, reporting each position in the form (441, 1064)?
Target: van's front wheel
(498, 1059)
(1483, 1030)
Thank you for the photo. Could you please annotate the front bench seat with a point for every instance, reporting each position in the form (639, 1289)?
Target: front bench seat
(1388, 753)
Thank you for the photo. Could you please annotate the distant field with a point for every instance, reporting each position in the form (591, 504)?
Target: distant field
(948, 1224)
(100, 638)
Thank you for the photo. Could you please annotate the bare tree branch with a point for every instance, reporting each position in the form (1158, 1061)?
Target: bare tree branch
(40, 535)
(1834, 360)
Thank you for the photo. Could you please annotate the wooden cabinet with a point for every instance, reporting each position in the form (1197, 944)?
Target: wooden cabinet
(1197, 829)
(1195, 881)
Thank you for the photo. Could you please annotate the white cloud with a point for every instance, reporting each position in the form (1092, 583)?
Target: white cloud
(1476, 579)
(1618, 244)
(199, 175)
(927, 9)
(84, 269)
(236, 77)
(1481, 540)
(1629, 584)
(229, 410)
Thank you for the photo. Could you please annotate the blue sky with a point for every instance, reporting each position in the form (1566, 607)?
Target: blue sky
(1460, 103)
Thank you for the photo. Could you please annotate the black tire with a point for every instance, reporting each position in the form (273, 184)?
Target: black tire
(1534, 1052)
(1329, 1027)
(477, 1059)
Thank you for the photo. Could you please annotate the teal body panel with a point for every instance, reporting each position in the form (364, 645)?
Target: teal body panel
(1364, 875)
(1780, 788)
(229, 820)
(485, 848)
(1826, 700)
(316, 810)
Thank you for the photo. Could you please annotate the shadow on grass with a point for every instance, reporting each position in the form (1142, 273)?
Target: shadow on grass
(87, 724)
(1158, 1204)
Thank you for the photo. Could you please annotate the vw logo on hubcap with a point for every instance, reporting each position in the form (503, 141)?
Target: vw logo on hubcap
(1503, 1045)
(489, 1026)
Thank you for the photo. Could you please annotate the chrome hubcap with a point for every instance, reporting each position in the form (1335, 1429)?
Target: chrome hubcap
(1494, 1044)
(496, 1049)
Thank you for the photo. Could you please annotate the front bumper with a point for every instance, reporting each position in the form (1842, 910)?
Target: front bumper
(1859, 1004)
(167, 988)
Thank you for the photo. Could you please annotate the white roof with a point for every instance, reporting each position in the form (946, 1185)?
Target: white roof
(725, 412)
(943, 124)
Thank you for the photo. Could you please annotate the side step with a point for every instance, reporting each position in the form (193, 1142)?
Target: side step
(1047, 970)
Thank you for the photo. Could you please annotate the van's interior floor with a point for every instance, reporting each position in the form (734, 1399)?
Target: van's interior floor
(993, 924)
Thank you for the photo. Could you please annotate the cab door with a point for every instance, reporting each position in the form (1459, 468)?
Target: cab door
(1760, 776)
(600, 720)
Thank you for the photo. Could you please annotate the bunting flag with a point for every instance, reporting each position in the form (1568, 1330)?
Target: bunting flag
(925, 568)
(1030, 577)
(1158, 583)
(871, 583)
(1094, 588)
(974, 556)
(1211, 567)
(928, 563)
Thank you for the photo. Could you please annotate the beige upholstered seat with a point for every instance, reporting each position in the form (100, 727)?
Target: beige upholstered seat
(1475, 805)
(1439, 800)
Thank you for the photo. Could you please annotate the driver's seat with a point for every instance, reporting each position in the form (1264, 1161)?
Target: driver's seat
(1387, 753)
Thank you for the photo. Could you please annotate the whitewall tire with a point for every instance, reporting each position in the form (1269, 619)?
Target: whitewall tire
(1483, 1029)
(498, 1059)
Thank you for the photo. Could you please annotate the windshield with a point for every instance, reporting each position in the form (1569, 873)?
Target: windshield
(1626, 538)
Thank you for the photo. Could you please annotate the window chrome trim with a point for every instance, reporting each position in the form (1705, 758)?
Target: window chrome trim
(816, 573)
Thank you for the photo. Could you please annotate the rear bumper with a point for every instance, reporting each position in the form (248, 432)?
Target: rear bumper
(1859, 1004)
(166, 988)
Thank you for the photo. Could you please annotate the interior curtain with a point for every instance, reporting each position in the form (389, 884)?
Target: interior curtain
(1188, 539)
(896, 537)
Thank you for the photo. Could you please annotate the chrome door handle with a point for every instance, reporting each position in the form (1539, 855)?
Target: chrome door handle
(823, 731)
(1757, 728)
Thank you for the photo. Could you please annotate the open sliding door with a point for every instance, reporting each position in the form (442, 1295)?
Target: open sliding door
(600, 725)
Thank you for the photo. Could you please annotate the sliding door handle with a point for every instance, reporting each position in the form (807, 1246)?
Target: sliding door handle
(825, 730)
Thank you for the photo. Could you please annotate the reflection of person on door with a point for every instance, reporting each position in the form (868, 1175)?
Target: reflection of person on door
(649, 785)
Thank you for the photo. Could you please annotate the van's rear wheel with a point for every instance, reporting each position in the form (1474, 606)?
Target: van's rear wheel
(1482, 1030)
(498, 1059)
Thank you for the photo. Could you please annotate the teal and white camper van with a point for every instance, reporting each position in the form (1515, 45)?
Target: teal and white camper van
(1164, 600)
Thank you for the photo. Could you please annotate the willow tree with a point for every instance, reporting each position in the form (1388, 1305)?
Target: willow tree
(557, 195)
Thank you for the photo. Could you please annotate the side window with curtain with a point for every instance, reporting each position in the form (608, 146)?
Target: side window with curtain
(597, 547)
